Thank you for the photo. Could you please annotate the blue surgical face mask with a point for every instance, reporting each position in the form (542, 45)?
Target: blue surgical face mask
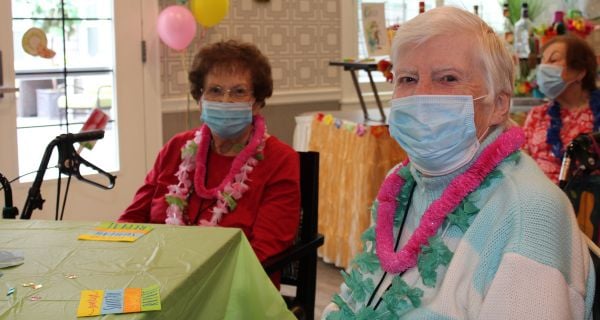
(226, 119)
(437, 131)
(550, 81)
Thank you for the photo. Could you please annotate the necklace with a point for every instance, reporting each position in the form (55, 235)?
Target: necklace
(392, 262)
(553, 133)
(228, 192)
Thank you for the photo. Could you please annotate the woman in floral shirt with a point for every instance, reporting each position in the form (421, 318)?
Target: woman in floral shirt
(567, 76)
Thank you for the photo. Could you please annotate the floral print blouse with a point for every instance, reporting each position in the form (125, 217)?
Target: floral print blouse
(574, 122)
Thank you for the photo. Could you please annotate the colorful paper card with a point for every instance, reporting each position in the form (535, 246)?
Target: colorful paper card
(128, 300)
(374, 29)
(111, 231)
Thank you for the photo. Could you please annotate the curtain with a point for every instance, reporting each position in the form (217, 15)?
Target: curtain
(354, 160)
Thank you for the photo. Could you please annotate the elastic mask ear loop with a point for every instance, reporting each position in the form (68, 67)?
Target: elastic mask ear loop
(567, 84)
(488, 128)
(478, 98)
(483, 134)
(574, 80)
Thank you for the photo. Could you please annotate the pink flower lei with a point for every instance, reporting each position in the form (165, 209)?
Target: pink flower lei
(228, 191)
(396, 262)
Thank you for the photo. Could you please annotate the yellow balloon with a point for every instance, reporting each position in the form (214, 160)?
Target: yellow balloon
(209, 12)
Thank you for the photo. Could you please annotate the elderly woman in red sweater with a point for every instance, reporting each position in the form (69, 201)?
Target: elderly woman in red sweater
(229, 172)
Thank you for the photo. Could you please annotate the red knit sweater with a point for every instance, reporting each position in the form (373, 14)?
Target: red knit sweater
(268, 213)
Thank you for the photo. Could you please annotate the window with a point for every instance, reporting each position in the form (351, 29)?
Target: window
(398, 11)
(131, 140)
(58, 93)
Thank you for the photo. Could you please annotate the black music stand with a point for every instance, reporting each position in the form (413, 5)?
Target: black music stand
(367, 67)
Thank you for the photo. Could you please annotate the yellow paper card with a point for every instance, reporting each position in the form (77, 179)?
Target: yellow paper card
(111, 231)
(90, 303)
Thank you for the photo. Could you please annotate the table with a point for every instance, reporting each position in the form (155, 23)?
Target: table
(367, 67)
(353, 163)
(203, 273)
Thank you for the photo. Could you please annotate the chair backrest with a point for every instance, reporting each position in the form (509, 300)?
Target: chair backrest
(303, 305)
(309, 206)
(298, 264)
(309, 194)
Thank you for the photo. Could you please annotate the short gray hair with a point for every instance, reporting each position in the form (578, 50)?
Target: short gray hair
(448, 21)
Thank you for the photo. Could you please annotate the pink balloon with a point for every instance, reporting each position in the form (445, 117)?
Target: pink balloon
(176, 27)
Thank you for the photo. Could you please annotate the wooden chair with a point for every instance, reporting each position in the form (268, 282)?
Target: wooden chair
(299, 263)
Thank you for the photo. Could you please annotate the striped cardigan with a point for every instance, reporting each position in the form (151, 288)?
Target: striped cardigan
(523, 256)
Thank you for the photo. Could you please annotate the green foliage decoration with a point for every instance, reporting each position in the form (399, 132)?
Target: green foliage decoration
(54, 25)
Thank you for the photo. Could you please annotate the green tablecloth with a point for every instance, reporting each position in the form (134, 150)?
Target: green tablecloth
(203, 273)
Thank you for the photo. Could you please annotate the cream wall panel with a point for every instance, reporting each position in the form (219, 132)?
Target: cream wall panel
(300, 37)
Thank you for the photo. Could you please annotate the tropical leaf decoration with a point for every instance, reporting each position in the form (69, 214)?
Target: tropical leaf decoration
(367, 262)
(360, 288)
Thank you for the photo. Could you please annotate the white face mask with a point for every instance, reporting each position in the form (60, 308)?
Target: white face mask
(437, 131)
